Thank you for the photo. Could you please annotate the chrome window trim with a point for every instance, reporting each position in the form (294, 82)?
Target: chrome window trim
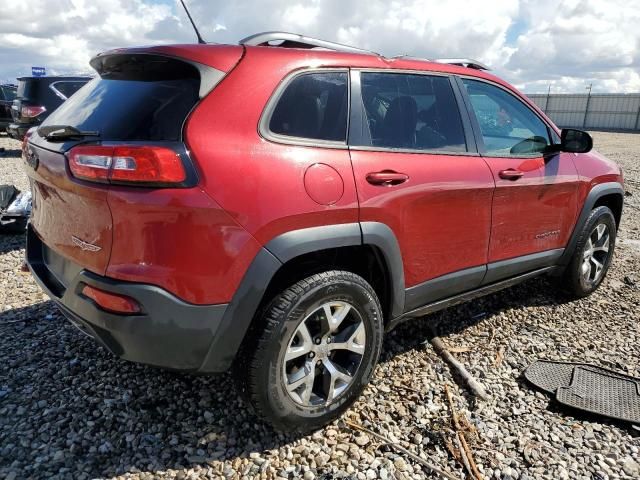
(61, 95)
(265, 118)
(550, 127)
(467, 152)
(369, 148)
(405, 71)
(56, 91)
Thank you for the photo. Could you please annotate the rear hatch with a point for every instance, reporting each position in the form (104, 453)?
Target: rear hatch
(141, 100)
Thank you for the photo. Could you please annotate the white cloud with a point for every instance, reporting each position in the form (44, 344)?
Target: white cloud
(532, 43)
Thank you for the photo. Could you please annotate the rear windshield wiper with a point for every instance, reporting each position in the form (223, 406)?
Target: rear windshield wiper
(64, 132)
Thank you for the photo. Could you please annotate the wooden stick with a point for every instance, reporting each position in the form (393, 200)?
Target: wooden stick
(471, 383)
(467, 456)
(467, 451)
(401, 449)
(463, 455)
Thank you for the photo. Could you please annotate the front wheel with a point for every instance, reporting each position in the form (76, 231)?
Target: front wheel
(315, 349)
(593, 254)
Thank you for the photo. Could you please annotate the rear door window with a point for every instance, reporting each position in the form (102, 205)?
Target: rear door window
(411, 111)
(313, 106)
(136, 97)
(508, 126)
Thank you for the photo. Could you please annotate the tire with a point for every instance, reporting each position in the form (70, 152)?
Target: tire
(283, 351)
(576, 281)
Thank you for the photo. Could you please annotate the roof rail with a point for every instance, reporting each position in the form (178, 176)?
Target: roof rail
(293, 40)
(463, 62)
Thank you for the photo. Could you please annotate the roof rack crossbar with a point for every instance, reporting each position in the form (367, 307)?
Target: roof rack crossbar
(463, 62)
(293, 40)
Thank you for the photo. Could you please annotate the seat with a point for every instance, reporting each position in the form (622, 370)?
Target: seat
(306, 118)
(400, 121)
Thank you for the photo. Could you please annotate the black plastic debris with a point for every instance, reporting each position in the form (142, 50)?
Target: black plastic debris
(7, 194)
(15, 208)
(589, 388)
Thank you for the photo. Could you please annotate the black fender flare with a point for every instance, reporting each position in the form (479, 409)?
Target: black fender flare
(278, 251)
(593, 196)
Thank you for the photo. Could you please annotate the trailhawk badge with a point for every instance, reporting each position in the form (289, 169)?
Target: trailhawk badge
(85, 245)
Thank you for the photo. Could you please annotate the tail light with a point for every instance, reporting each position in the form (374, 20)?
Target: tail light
(31, 111)
(127, 164)
(111, 302)
(25, 143)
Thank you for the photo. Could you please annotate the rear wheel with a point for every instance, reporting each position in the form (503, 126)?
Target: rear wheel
(316, 349)
(593, 254)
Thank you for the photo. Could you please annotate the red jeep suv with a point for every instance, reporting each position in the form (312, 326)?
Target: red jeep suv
(277, 205)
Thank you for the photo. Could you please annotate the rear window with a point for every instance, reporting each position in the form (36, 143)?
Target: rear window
(136, 97)
(313, 106)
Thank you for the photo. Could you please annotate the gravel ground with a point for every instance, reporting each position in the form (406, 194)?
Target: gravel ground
(69, 409)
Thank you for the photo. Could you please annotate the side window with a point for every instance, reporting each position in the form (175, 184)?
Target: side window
(66, 89)
(410, 111)
(509, 127)
(314, 106)
(9, 93)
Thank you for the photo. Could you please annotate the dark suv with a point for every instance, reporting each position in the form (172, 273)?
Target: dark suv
(37, 97)
(279, 208)
(7, 95)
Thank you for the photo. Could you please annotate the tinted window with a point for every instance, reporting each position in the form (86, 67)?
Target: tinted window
(9, 93)
(508, 126)
(24, 88)
(66, 89)
(313, 105)
(411, 112)
(134, 99)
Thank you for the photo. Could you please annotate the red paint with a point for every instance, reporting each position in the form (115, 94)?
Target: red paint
(448, 212)
(180, 240)
(537, 211)
(64, 208)
(441, 215)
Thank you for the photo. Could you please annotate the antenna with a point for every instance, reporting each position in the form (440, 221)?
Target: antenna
(200, 40)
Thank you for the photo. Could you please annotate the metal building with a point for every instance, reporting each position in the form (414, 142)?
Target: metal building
(607, 111)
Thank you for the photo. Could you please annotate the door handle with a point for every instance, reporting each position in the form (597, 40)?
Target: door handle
(386, 178)
(510, 174)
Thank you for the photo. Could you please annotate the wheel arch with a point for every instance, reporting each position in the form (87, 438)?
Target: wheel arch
(369, 249)
(610, 194)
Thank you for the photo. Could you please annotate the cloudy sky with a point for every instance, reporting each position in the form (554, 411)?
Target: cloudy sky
(532, 43)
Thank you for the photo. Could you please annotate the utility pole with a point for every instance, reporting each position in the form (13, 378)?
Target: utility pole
(546, 104)
(586, 109)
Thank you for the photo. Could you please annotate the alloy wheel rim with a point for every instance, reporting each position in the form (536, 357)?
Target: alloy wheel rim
(595, 253)
(324, 354)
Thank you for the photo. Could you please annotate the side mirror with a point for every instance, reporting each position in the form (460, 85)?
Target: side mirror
(575, 141)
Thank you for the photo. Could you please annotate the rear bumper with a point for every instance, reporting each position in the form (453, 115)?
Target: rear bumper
(17, 131)
(170, 333)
